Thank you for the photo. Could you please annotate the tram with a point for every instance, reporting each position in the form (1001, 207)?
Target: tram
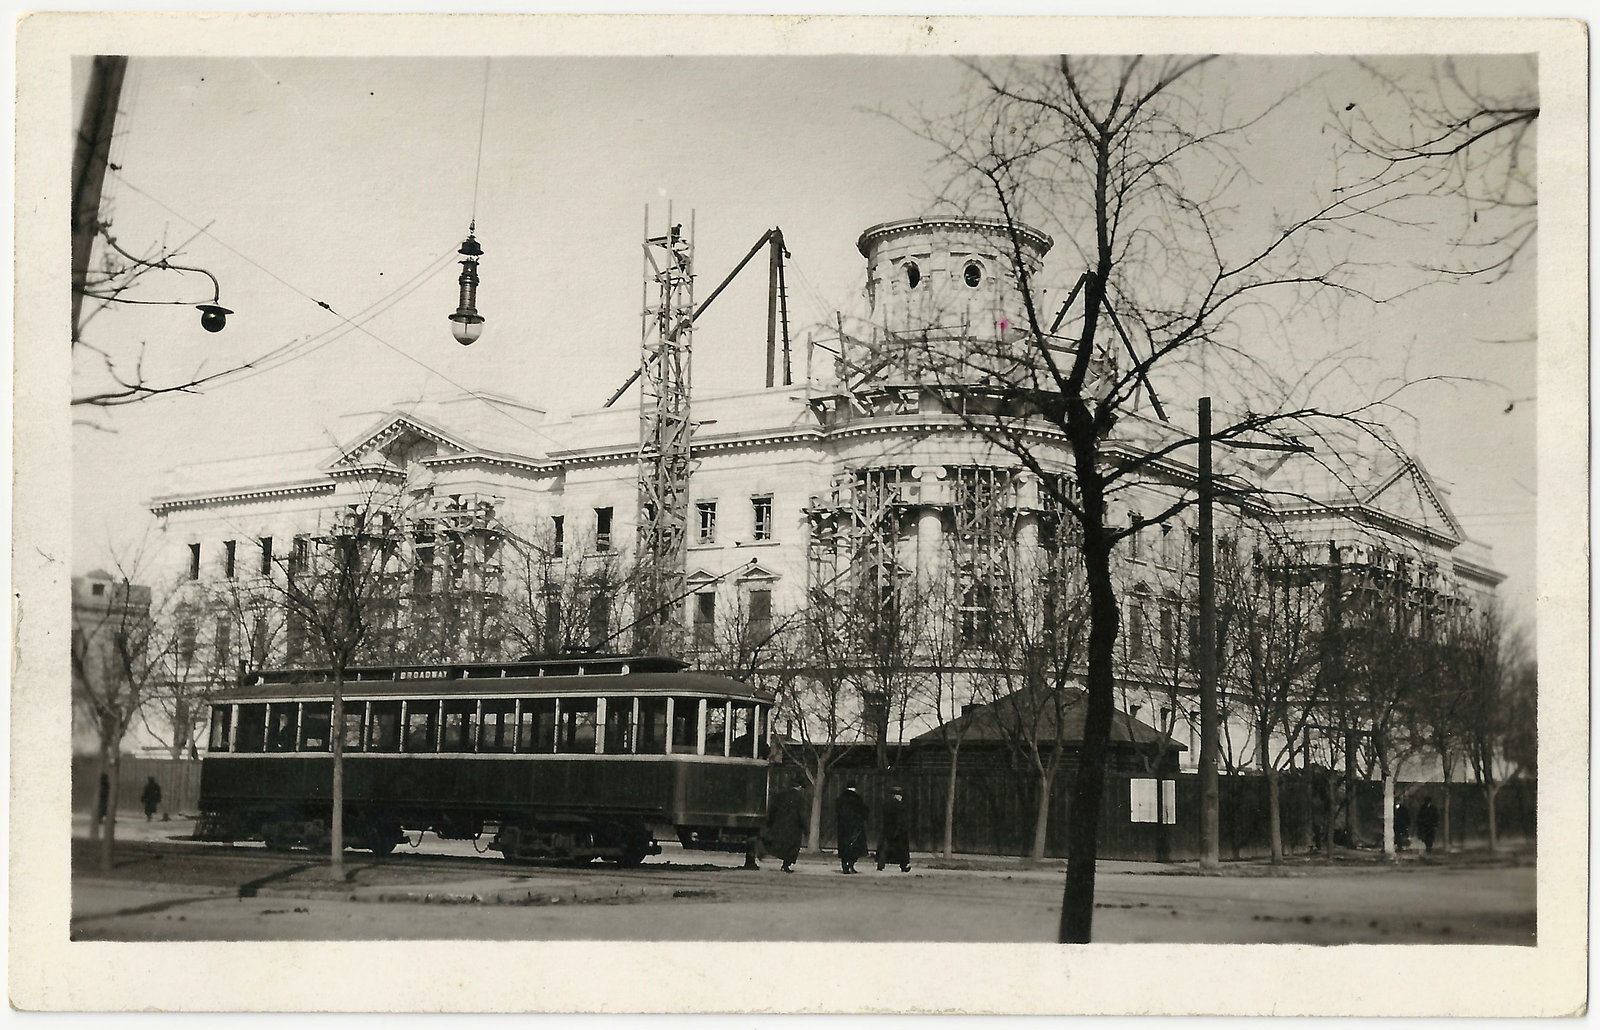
(571, 759)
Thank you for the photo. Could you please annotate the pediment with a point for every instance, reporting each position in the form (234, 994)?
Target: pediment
(755, 571)
(1408, 495)
(396, 443)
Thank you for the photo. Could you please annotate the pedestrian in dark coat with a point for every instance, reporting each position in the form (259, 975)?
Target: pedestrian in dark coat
(786, 826)
(151, 797)
(100, 807)
(851, 813)
(1402, 825)
(1427, 823)
(895, 843)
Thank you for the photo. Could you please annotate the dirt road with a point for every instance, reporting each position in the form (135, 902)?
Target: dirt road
(165, 891)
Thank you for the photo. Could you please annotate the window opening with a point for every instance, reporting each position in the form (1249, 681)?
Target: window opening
(602, 529)
(761, 514)
(537, 729)
(599, 618)
(760, 614)
(222, 640)
(652, 726)
(383, 731)
(763, 730)
(266, 556)
(459, 729)
(741, 742)
(618, 738)
(221, 721)
(422, 726)
(716, 727)
(98, 589)
(281, 726)
(707, 511)
(972, 275)
(230, 550)
(497, 728)
(355, 717)
(315, 717)
(577, 726)
(913, 275)
(194, 561)
(251, 734)
(685, 726)
(558, 535)
(705, 616)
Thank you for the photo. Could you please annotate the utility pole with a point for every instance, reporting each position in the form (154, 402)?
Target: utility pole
(1209, 820)
(89, 159)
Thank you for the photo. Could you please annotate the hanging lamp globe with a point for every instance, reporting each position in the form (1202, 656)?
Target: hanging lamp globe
(466, 325)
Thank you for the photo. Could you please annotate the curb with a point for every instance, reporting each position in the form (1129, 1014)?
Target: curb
(443, 895)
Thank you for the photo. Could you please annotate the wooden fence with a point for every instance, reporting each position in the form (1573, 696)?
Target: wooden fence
(995, 809)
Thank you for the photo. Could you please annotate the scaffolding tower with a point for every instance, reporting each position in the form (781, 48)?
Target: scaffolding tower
(664, 432)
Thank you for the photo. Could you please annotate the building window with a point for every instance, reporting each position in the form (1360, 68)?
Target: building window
(705, 617)
(194, 561)
(913, 275)
(707, 512)
(602, 529)
(599, 619)
(298, 556)
(972, 275)
(186, 638)
(223, 639)
(230, 550)
(1169, 630)
(761, 509)
(266, 556)
(558, 535)
(977, 616)
(1135, 552)
(1136, 627)
(760, 614)
(98, 589)
(295, 638)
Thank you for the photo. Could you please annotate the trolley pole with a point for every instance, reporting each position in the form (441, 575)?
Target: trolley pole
(1209, 821)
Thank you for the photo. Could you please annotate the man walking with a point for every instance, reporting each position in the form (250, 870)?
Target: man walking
(151, 797)
(1427, 823)
(786, 826)
(895, 843)
(851, 813)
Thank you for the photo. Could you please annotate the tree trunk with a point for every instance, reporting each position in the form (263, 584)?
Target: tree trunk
(1388, 814)
(816, 808)
(1327, 831)
(336, 735)
(108, 832)
(1041, 816)
(1444, 821)
(950, 805)
(1274, 816)
(1490, 790)
(1083, 813)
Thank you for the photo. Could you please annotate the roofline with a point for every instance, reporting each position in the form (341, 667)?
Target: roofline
(1039, 240)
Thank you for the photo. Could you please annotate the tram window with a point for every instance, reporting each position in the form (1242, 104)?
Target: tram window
(221, 719)
(685, 725)
(354, 715)
(618, 739)
(422, 726)
(314, 719)
(577, 725)
(763, 730)
(460, 727)
(652, 725)
(742, 745)
(383, 732)
(281, 727)
(252, 732)
(499, 726)
(716, 727)
(537, 731)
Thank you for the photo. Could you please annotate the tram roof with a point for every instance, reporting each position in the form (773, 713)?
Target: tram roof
(606, 675)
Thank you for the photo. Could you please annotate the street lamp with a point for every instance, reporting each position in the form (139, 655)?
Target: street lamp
(466, 323)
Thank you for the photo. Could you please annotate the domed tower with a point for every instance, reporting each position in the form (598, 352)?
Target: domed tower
(944, 295)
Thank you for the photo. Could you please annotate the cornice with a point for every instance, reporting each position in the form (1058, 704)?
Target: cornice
(177, 502)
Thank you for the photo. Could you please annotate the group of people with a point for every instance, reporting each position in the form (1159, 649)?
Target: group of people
(788, 819)
(1427, 824)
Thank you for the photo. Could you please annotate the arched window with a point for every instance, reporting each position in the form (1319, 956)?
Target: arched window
(972, 275)
(913, 274)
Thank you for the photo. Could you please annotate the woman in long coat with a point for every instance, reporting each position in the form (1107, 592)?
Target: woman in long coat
(895, 843)
(786, 826)
(851, 813)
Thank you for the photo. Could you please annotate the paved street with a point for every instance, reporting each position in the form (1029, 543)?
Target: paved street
(172, 890)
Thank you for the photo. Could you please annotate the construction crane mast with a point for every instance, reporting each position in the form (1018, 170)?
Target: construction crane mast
(665, 429)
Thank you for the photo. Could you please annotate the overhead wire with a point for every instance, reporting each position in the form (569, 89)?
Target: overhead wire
(343, 318)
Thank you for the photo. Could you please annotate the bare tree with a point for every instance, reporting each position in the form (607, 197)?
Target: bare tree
(122, 652)
(952, 688)
(1128, 161)
(1501, 683)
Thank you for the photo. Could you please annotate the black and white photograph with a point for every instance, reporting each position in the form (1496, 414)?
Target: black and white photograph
(566, 487)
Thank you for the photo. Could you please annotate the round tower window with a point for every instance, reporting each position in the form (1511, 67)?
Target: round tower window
(973, 274)
(913, 274)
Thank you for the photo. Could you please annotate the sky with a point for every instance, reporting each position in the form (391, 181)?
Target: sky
(350, 183)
